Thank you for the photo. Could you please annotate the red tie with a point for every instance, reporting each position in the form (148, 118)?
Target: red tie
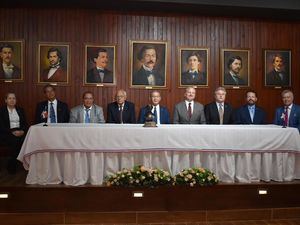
(190, 111)
(286, 116)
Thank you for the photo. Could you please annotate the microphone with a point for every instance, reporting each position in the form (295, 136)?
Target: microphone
(44, 115)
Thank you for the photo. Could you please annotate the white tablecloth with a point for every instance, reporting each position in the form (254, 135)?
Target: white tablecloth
(76, 154)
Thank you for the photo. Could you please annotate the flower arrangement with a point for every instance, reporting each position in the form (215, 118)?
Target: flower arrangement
(195, 176)
(139, 176)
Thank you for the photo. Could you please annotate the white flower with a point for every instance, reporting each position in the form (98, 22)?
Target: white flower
(282, 116)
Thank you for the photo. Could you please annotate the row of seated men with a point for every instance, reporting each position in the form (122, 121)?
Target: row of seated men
(13, 125)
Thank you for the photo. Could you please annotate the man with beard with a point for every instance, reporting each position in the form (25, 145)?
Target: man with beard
(55, 73)
(100, 73)
(7, 69)
(278, 76)
(250, 113)
(148, 74)
(232, 77)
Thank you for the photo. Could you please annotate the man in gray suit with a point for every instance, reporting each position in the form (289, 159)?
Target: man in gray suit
(189, 111)
(88, 112)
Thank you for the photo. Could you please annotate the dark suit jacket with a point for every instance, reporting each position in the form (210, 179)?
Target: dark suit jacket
(15, 75)
(5, 123)
(243, 116)
(140, 78)
(187, 79)
(60, 75)
(62, 112)
(128, 114)
(94, 77)
(294, 119)
(212, 114)
(163, 113)
(273, 78)
(228, 80)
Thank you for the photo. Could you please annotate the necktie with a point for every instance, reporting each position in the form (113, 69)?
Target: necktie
(190, 110)
(121, 114)
(87, 116)
(101, 74)
(221, 113)
(52, 114)
(155, 114)
(251, 113)
(286, 116)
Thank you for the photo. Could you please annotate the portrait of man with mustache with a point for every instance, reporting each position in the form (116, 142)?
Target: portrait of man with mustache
(148, 74)
(100, 72)
(8, 70)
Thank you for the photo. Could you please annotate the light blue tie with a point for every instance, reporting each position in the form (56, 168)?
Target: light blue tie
(251, 112)
(52, 114)
(87, 116)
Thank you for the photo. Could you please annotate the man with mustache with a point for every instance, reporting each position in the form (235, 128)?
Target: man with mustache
(55, 72)
(100, 73)
(250, 113)
(7, 69)
(148, 74)
(232, 77)
(278, 76)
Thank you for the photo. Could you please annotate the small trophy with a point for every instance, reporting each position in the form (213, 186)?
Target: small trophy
(150, 122)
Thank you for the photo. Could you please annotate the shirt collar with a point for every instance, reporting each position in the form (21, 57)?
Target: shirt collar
(54, 102)
(147, 68)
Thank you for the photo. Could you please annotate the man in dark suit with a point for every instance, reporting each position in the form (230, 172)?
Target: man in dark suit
(289, 114)
(232, 77)
(52, 110)
(13, 128)
(121, 111)
(55, 73)
(161, 113)
(250, 113)
(100, 73)
(278, 77)
(7, 69)
(148, 74)
(193, 76)
(219, 112)
(189, 111)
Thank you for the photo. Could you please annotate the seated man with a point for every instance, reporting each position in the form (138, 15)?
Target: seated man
(121, 111)
(189, 111)
(52, 110)
(250, 113)
(288, 115)
(161, 114)
(219, 112)
(88, 112)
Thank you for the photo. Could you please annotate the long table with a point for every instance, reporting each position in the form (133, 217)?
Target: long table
(76, 154)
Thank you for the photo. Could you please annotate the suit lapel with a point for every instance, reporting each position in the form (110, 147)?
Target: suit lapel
(292, 115)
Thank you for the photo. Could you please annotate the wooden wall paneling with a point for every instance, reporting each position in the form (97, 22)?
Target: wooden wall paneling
(80, 26)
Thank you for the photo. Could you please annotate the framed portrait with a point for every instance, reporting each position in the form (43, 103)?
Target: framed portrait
(148, 60)
(11, 61)
(100, 62)
(53, 63)
(277, 68)
(235, 67)
(193, 67)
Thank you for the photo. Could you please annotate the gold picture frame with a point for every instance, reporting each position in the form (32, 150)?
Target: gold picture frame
(100, 65)
(148, 64)
(53, 60)
(12, 55)
(277, 64)
(235, 68)
(193, 67)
